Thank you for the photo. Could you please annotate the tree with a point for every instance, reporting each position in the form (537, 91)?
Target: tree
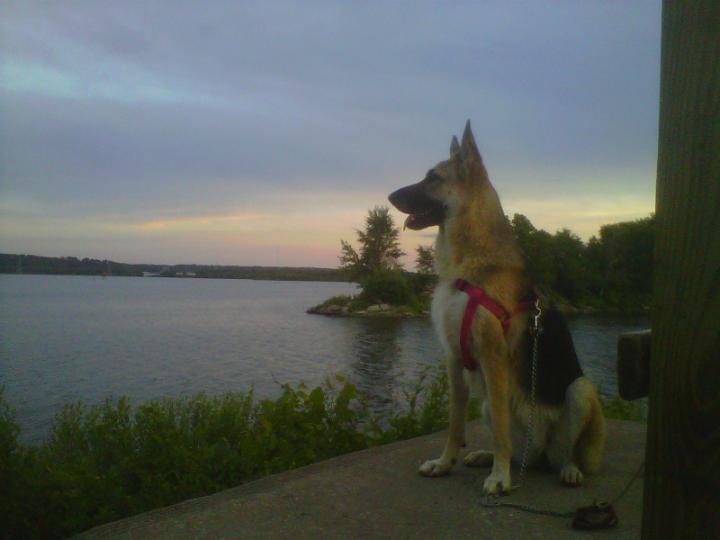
(614, 269)
(379, 246)
(425, 260)
(569, 265)
(628, 258)
(537, 246)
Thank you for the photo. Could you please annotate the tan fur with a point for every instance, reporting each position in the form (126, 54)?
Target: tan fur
(475, 242)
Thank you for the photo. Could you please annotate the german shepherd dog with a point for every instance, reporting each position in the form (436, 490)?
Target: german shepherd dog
(475, 245)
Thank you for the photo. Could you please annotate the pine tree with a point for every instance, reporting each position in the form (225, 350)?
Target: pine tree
(379, 246)
(425, 260)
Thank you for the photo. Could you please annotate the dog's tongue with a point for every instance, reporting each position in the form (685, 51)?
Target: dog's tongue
(408, 222)
(411, 222)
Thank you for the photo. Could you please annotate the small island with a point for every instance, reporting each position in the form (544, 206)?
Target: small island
(386, 289)
(352, 306)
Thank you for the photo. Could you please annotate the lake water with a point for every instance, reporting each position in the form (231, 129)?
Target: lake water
(69, 338)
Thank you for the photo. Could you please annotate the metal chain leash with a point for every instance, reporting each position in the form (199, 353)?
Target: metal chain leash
(493, 501)
(536, 329)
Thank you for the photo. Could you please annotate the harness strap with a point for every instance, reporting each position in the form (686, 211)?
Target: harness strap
(478, 297)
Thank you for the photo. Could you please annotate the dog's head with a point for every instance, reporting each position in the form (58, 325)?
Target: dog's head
(445, 188)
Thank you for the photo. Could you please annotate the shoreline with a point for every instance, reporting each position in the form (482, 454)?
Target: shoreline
(407, 312)
(374, 310)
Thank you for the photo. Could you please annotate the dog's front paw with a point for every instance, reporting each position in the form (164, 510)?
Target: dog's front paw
(435, 467)
(570, 475)
(479, 458)
(497, 484)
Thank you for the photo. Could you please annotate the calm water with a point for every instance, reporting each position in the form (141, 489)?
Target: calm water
(68, 338)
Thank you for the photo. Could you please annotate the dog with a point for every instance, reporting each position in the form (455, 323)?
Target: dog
(476, 251)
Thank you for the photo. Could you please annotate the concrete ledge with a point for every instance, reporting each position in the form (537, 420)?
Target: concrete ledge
(377, 493)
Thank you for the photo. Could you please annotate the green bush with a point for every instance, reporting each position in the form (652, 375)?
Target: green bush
(422, 284)
(340, 300)
(619, 409)
(108, 461)
(387, 286)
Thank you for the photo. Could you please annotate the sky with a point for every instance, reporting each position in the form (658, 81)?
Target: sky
(260, 133)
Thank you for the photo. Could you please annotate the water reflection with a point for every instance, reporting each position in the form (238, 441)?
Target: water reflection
(71, 337)
(595, 338)
(375, 351)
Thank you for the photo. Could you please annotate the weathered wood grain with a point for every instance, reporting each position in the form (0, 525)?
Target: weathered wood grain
(682, 483)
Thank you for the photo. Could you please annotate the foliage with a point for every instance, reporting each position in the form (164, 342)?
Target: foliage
(376, 267)
(113, 460)
(273, 273)
(387, 286)
(340, 300)
(612, 271)
(425, 279)
(425, 260)
(624, 258)
(619, 409)
(33, 264)
(379, 246)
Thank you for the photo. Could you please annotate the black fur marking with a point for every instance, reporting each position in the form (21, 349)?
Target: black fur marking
(558, 364)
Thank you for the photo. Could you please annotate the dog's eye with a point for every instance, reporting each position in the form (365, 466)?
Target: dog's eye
(432, 176)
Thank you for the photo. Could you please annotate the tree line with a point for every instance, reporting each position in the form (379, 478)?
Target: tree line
(613, 270)
(34, 264)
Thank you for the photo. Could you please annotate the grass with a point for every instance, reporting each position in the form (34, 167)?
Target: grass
(340, 300)
(619, 409)
(108, 461)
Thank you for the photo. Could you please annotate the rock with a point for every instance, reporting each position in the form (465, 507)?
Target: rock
(384, 307)
(333, 308)
(375, 308)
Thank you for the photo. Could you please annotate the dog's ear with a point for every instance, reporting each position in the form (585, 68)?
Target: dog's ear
(468, 149)
(454, 147)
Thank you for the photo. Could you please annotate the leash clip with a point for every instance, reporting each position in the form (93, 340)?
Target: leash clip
(536, 318)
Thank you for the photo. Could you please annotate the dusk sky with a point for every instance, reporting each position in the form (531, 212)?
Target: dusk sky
(262, 132)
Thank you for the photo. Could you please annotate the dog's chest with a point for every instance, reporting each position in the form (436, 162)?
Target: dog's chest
(448, 307)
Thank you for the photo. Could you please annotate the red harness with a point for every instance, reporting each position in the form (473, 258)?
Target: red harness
(478, 297)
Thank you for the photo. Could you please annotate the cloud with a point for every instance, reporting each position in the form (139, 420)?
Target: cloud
(167, 112)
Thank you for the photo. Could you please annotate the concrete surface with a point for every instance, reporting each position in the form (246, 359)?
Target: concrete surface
(378, 493)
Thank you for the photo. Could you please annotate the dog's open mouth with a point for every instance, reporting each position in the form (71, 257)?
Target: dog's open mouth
(423, 220)
(424, 211)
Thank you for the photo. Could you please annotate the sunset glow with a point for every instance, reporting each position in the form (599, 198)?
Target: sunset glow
(131, 135)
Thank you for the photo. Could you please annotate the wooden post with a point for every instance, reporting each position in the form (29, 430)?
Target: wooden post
(682, 480)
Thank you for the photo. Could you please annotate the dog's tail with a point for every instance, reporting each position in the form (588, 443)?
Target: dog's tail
(590, 448)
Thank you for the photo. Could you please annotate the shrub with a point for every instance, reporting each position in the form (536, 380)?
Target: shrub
(112, 460)
(340, 300)
(387, 286)
(619, 409)
(108, 461)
